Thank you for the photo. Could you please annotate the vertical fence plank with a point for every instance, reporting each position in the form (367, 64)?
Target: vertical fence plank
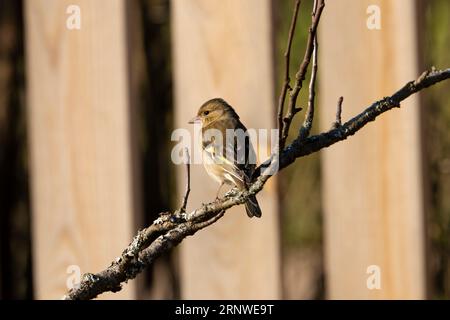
(372, 182)
(223, 49)
(79, 139)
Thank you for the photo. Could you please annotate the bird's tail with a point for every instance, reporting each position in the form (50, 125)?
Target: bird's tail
(252, 207)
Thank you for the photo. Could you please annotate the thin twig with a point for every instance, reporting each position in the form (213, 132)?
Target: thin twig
(187, 161)
(287, 79)
(301, 74)
(305, 129)
(337, 122)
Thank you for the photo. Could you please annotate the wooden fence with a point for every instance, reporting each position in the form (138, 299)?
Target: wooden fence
(80, 127)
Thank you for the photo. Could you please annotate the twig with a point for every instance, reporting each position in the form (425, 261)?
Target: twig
(301, 74)
(287, 79)
(337, 122)
(188, 180)
(315, 143)
(305, 129)
(164, 234)
(125, 268)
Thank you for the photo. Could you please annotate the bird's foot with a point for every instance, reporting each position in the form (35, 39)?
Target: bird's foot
(178, 217)
(231, 193)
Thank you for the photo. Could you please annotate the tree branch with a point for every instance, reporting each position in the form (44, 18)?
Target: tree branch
(315, 143)
(172, 227)
(164, 233)
(301, 74)
(188, 180)
(287, 79)
(337, 122)
(305, 129)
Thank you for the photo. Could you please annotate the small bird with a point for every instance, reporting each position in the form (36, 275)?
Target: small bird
(229, 159)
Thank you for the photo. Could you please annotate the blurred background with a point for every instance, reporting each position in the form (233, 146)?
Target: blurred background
(49, 88)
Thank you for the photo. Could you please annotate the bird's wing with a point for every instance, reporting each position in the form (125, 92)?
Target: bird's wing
(234, 152)
(227, 166)
(240, 151)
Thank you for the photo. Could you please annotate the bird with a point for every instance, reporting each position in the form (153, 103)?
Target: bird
(227, 152)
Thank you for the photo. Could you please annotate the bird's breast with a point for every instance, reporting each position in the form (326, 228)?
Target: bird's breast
(214, 170)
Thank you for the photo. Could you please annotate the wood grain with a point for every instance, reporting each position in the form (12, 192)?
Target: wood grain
(373, 189)
(79, 133)
(223, 49)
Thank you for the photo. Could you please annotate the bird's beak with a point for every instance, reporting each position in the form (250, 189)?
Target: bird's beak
(195, 119)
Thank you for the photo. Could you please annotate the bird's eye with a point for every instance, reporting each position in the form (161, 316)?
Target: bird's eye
(206, 113)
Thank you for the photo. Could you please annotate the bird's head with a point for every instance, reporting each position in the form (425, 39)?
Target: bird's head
(213, 110)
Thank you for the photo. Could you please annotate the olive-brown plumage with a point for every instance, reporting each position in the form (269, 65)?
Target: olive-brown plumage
(228, 154)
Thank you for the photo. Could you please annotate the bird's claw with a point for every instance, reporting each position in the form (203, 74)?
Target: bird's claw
(231, 193)
(178, 217)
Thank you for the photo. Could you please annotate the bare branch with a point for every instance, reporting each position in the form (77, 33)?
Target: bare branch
(305, 129)
(170, 229)
(287, 79)
(315, 143)
(164, 233)
(337, 123)
(187, 160)
(135, 258)
(301, 74)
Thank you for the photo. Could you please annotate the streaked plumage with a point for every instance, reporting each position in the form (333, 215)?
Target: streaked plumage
(233, 161)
